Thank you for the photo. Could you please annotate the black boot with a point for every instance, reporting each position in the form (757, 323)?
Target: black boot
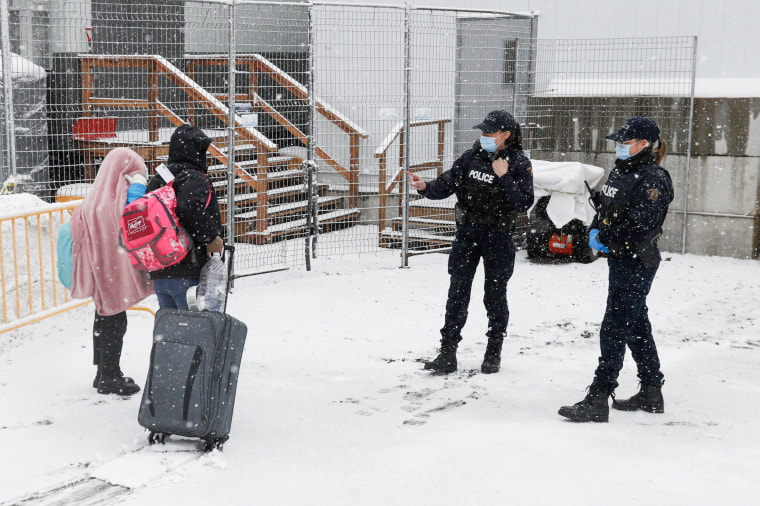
(118, 384)
(110, 332)
(492, 358)
(446, 361)
(96, 356)
(648, 399)
(594, 408)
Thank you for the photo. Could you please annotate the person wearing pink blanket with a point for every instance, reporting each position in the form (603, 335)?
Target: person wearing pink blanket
(103, 271)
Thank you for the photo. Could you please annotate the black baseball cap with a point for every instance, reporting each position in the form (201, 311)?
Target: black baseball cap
(637, 128)
(497, 121)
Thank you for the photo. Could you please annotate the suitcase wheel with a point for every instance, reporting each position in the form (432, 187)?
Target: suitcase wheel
(156, 437)
(211, 443)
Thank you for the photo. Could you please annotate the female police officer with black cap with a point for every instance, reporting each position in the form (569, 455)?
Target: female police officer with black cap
(493, 182)
(631, 208)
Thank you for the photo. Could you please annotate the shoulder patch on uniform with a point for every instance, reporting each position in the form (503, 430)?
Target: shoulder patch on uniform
(653, 194)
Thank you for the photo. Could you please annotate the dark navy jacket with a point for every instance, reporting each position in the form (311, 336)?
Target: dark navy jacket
(633, 203)
(483, 195)
(187, 161)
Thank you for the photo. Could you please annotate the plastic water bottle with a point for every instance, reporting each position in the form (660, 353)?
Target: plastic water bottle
(212, 289)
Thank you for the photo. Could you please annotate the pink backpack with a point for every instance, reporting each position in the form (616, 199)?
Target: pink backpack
(151, 233)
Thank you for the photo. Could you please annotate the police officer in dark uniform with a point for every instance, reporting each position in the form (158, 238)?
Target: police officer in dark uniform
(493, 182)
(631, 208)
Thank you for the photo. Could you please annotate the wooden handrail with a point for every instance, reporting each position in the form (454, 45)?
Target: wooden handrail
(398, 130)
(217, 108)
(259, 183)
(258, 64)
(159, 65)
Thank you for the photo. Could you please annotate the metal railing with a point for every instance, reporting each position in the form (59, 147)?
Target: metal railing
(28, 277)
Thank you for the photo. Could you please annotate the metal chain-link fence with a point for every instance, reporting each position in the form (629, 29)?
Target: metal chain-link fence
(364, 92)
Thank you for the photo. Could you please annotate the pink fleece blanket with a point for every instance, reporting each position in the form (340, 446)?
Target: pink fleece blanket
(101, 268)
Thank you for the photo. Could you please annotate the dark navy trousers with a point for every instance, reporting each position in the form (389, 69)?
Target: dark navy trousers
(626, 323)
(495, 246)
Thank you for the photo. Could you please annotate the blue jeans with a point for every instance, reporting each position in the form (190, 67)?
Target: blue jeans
(172, 292)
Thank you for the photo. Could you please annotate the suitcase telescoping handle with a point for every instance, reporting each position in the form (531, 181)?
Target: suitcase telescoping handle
(230, 258)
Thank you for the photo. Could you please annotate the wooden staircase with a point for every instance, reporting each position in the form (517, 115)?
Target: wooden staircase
(431, 222)
(270, 201)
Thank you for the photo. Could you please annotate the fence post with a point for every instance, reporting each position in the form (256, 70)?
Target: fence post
(405, 147)
(514, 83)
(232, 68)
(312, 200)
(688, 146)
(312, 216)
(10, 124)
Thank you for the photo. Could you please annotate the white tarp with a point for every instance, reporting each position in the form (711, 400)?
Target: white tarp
(564, 182)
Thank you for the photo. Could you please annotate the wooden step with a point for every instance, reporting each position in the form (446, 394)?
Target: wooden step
(247, 201)
(418, 239)
(241, 149)
(276, 163)
(436, 209)
(434, 226)
(275, 180)
(291, 208)
(220, 187)
(328, 222)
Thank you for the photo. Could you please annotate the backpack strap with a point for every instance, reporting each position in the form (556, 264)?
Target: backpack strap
(210, 189)
(168, 178)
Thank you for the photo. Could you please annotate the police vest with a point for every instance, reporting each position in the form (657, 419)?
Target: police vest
(480, 195)
(614, 201)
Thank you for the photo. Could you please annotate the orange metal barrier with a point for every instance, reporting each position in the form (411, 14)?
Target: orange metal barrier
(28, 278)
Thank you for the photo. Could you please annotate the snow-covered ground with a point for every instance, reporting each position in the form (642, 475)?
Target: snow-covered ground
(333, 407)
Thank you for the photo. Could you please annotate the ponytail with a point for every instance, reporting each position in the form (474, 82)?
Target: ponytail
(661, 151)
(516, 137)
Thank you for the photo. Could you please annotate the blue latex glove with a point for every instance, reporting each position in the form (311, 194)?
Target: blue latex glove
(594, 243)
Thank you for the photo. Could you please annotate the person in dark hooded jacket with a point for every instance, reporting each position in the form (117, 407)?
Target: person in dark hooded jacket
(187, 162)
(493, 182)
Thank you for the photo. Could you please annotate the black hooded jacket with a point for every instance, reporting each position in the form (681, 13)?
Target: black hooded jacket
(187, 161)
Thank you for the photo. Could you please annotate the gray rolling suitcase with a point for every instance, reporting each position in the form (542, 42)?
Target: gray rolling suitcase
(193, 374)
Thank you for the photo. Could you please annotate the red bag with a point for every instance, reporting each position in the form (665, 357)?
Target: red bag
(561, 244)
(151, 233)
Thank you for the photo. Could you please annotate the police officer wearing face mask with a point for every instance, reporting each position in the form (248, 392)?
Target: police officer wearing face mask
(631, 208)
(493, 182)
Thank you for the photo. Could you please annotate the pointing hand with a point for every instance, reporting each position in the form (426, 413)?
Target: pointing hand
(416, 181)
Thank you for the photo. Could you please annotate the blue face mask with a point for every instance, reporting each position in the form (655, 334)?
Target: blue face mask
(622, 151)
(488, 143)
